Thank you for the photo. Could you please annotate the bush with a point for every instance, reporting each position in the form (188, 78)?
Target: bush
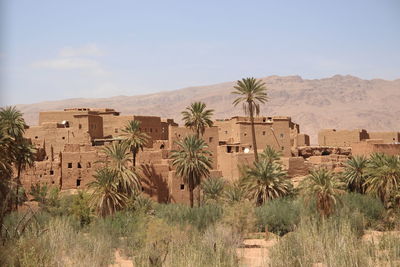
(280, 215)
(372, 208)
(240, 217)
(199, 217)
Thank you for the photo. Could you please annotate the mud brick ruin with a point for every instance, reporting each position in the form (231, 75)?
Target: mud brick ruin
(70, 146)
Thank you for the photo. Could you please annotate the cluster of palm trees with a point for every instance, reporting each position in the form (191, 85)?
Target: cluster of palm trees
(16, 153)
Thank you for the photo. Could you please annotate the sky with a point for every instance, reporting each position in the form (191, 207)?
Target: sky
(53, 49)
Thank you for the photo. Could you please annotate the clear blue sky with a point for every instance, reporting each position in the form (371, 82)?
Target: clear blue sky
(64, 49)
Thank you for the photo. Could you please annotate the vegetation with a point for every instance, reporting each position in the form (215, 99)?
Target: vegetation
(197, 118)
(251, 93)
(192, 161)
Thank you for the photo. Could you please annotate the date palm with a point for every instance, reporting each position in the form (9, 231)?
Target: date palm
(213, 189)
(323, 187)
(118, 158)
(135, 138)
(12, 122)
(266, 181)
(106, 197)
(270, 155)
(192, 161)
(251, 93)
(383, 177)
(355, 173)
(197, 117)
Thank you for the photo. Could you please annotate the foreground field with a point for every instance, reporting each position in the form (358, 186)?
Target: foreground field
(64, 233)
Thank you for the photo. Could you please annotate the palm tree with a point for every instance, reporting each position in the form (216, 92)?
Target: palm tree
(270, 155)
(383, 177)
(266, 181)
(106, 197)
(251, 93)
(322, 186)
(355, 173)
(12, 121)
(118, 158)
(234, 193)
(135, 138)
(197, 118)
(192, 161)
(24, 157)
(213, 189)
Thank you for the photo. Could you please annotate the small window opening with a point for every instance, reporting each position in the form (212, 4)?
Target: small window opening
(245, 134)
(79, 165)
(182, 187)
(282, 148)
(69, 165)
(281, 135)
(40, 176)
(162, 146)
(142, 189)
(80, 126)
(229, 149)
(264, 119)
(63, 137)
(115, 130)
(78, 182)
(52, 182)
(210, 139)
(226, 132)
(325, 153)
(51, 172)
(38, 137)
(263, 132)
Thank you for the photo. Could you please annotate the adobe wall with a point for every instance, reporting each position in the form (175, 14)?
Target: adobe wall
(46, 172)
(296, 166)
(155, 181)
(368, 148)
(341, 138)
(228, 162)
(303, 140)
(387, 137)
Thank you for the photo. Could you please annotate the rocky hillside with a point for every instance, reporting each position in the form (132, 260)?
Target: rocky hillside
(336, 102)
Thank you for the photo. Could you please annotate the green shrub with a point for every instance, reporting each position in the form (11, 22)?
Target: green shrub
(371, 207)
(199, 217)
(280, 215)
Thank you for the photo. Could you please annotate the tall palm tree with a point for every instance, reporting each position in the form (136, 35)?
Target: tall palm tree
(12, 121)
(355, 173)
(213, 189)
(251, 93)
(266, 181)
(383, 177)
(323, 187)
(118, 158)
(135, 138)
(197, 118)
(106, 197)
(192, 161)
(270, 155)
(24, 157)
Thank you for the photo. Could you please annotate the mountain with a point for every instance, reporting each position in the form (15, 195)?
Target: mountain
(337, 102)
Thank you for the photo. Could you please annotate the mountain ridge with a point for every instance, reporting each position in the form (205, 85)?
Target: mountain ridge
(341, 101)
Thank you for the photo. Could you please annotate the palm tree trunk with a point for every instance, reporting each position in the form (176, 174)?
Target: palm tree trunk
(134, 158)
(253, 131)
(191, 188)
(17, 182)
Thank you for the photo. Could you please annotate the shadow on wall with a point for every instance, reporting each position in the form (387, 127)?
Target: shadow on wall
(154, 184)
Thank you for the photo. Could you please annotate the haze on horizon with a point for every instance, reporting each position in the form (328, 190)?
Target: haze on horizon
(55, 50)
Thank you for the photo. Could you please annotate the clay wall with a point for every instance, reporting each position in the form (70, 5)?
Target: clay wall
(296, 166)
(387, 137)
(155, 181)
(368, 148)
(228, 162)
(303, 140)
(46, 172)
(341, 138)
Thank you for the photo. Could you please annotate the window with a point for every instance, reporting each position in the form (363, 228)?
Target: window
(80, 126)
(264, 119)
(63, 138)
(38, 137)
(263, 132)
(79, 165)
(229, 149)
(151, 130)
(282, 135)
(52, 182)
(78, 182)
(182, 187)
(226, 132)
(69, 165)
(51, 172)
(142, 189)
(245, 134)
(210, 139)
(282, 148)
(115, 130)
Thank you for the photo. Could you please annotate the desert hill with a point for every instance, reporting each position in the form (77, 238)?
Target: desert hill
(336, 102)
